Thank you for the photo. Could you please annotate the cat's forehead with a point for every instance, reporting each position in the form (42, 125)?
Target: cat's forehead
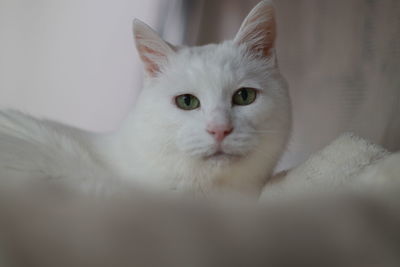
(216, 65)
(218, 55)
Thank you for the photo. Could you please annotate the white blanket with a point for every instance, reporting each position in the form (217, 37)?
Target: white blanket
(348, 162)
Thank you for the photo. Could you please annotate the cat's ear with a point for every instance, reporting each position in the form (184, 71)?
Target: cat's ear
(153, 50)
(258, 30)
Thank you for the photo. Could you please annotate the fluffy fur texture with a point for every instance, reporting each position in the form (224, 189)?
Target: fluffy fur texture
(348, 163)
(162, 144)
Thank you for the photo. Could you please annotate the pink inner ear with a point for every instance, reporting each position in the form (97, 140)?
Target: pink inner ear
(263, 37)
(258, 31)
(269, 37)
(151, 67)
(153, 50)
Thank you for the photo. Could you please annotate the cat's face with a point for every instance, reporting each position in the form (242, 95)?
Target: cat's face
(216, 103)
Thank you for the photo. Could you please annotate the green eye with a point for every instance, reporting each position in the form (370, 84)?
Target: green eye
(187, 102)
(244, 96)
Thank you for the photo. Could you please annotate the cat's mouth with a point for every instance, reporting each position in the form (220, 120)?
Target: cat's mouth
(222, 156)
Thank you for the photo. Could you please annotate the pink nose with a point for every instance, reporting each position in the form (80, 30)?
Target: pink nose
(219, 131)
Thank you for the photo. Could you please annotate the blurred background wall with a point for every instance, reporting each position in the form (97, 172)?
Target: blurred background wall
(74, 60)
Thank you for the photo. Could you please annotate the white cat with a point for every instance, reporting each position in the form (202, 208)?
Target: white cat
(208, 118)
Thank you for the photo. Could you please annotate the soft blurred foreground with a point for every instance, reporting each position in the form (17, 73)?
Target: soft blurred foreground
(49, 226)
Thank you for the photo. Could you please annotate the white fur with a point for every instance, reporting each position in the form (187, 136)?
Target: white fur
(159, 143)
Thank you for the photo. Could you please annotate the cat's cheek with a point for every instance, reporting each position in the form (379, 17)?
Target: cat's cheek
(266, 111)
(190, 140)
(252, 118)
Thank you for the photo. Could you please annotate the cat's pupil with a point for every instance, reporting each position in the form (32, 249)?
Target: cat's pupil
(187, 99)
(244, 94)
